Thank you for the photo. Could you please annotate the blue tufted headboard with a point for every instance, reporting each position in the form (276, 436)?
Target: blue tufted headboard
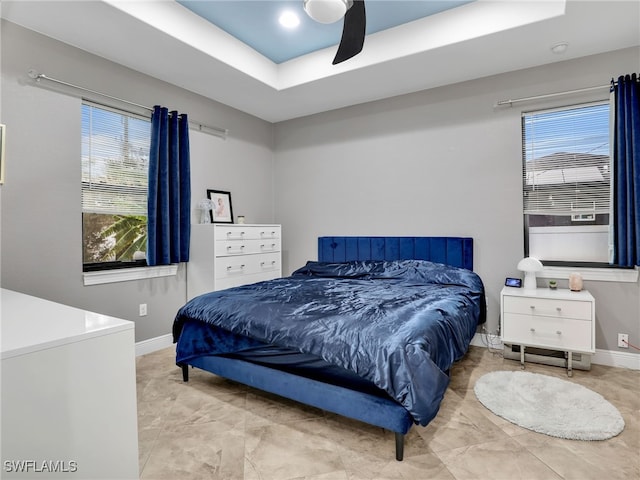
(455, 251)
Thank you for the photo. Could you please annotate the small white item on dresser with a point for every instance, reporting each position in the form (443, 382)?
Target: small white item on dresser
(575, 282)
(205, 207)
(240, 219)
(530, 266)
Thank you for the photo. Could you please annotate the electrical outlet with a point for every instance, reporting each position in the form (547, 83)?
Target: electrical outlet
(623, 340)
(143, 309)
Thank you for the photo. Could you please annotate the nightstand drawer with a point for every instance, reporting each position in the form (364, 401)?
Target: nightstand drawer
(556, 333)
(547, 307)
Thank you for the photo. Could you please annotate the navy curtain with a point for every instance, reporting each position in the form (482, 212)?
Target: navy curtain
(626, 171)
(169, 196)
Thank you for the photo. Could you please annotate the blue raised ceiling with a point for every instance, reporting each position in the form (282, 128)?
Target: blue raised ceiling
(255, 22)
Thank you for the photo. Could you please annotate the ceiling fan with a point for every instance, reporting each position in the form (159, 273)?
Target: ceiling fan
(353, 29)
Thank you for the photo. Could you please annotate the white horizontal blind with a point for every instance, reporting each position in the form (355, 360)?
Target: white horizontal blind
(115, 160)
(566, 161)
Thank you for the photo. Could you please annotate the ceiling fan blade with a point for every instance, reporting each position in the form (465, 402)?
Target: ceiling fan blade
(353, 31)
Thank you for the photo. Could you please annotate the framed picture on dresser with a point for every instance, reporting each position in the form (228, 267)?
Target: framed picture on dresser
(222, 211)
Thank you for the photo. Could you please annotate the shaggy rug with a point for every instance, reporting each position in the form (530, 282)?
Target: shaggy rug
(549, 405)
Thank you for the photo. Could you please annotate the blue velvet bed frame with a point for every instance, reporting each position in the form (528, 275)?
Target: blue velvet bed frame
(369, 408)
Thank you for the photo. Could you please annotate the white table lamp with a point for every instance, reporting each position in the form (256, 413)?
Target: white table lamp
(530, 266)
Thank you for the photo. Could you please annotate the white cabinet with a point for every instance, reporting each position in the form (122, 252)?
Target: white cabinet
(69, 405)
(228, 255)
(559, 320)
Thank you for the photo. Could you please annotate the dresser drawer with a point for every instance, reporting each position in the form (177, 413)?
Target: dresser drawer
(547, 307)
(247, 232)
(548, 332)
(226, 248)
(239, 266)
(230, 282)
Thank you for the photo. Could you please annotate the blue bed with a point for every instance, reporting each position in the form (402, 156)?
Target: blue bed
(369, 331)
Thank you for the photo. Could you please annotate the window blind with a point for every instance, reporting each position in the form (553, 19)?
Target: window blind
(566, 164)
(115, 160)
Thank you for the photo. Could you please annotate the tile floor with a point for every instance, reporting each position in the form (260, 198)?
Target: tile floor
(211, 428)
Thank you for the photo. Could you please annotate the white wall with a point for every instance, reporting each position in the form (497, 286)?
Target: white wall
(41, 211)
(437, 162)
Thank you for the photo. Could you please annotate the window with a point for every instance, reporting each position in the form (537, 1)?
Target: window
(566, 185)
(115, 158)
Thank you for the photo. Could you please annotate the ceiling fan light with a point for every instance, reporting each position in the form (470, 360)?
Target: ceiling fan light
(327, 11)
(288, 19)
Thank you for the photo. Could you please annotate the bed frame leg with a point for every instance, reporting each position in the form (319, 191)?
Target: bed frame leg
(185, 372)
(399, 446)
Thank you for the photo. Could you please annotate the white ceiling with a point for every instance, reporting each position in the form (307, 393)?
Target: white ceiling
(163, 39)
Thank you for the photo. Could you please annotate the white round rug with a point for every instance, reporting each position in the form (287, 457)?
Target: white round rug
(549, 405)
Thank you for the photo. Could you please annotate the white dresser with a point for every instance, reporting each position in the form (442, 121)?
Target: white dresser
(558, 320)
(228, 255)
(69, 405)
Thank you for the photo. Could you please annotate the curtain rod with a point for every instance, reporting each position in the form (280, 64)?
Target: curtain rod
(549, 95)
(216, 131)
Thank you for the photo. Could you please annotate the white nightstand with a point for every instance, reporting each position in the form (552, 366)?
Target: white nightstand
(559, 320)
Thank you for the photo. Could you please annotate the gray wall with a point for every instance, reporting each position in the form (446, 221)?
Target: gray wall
(1, 121)
(41, 211)
(437, 162)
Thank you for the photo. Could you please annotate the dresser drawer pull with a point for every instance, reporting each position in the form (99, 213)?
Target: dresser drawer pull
(559, 309)
(270, 235)
(533, 330)
(271, 247)
(240, 248)
(532, 307)
(240, 235)
(559, 332)
(269, 264)
(237, 267)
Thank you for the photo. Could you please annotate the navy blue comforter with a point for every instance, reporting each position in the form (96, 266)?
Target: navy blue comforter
(400, 325)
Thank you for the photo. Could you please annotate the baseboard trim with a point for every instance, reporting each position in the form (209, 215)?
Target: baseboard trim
(484, 340)
(612, 358)
(609, 358)
(153, 344)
